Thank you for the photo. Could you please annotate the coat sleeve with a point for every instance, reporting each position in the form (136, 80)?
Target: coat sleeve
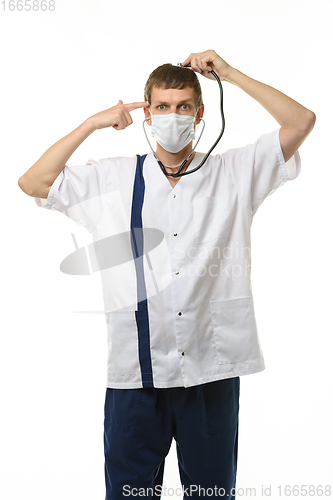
(259, 169)
(79, 193)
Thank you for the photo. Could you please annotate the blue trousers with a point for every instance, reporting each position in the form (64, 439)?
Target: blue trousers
(140, 424)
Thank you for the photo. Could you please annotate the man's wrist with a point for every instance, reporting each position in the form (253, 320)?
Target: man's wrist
(231, 75)
(90, 124)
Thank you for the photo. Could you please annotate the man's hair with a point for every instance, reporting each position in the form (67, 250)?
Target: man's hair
(168, 76)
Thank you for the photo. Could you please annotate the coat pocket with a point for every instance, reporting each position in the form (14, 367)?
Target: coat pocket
(235, 330)
(211, 217)
(123, 345)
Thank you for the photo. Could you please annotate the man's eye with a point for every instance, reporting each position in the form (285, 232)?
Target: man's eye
(185, 106)
(161, 106)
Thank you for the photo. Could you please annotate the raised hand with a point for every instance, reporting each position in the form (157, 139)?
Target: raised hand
(203, 62)
(118, 116)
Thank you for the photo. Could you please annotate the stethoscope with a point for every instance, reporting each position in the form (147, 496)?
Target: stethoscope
(178, 174)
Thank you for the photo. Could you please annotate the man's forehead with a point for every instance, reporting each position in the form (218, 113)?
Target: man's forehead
(162, 94)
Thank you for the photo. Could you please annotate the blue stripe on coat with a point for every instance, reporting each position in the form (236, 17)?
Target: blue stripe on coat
(141, 315)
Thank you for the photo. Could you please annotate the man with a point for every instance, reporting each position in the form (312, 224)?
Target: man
(180, 314)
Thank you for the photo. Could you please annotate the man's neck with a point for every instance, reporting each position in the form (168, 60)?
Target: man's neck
(172, 161)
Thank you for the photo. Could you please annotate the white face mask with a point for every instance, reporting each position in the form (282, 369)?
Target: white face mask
(173, 131)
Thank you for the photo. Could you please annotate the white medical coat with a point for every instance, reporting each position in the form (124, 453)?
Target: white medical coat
(198, 323)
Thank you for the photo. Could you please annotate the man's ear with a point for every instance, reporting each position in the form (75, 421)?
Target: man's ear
(147, 115)
(200, 114)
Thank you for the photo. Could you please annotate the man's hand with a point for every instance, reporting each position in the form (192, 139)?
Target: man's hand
(118, 116)
(295, 120)
(203, 62)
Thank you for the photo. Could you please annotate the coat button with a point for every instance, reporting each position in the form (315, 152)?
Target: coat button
(173, 196)
(177, 272)
(183, 353)
(175, 234)
(179, 314)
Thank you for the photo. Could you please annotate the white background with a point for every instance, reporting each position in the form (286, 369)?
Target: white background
(59, 68)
